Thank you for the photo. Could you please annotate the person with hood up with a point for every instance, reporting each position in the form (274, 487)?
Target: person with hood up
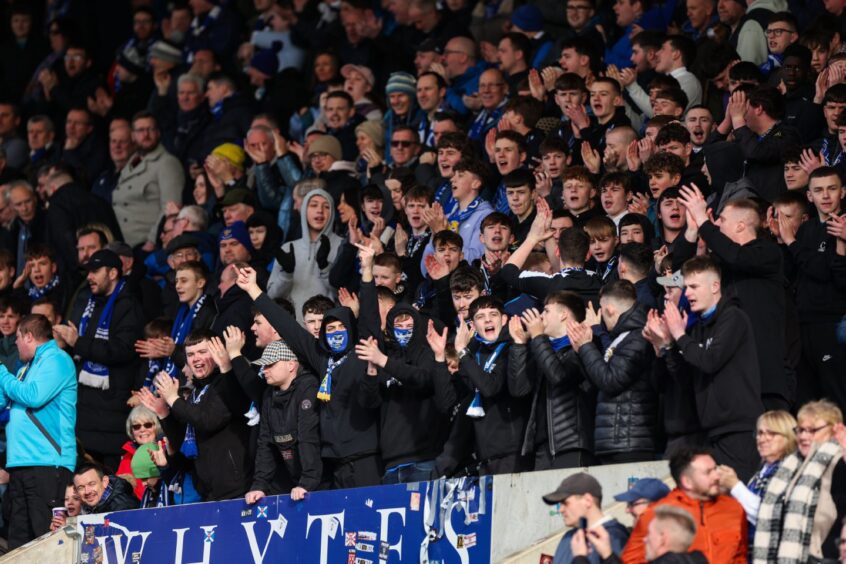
(301, 269)
(412, 431)
(348, 430)
(627, 406)
(724, 169)
(265, 235)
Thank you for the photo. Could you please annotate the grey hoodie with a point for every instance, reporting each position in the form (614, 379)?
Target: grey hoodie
(307, 280)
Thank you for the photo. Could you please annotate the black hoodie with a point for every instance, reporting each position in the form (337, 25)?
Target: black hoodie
(348, 428)
(411, 429)
(722, 362)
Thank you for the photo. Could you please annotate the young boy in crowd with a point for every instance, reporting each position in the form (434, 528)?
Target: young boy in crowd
(579, 194)
(313, 311)
(554, 161)
(497, 238)
(483, 365)
(521, 114)
(12, 310)
(570, 93)
(636, 228)
(796, 177)
(603, 248)
(452, 147)
(615, 190)
(410, 244)
(520, 194)
(555, 384)
(447, 257)
(663, 170)
(509, 154)
(41, 277)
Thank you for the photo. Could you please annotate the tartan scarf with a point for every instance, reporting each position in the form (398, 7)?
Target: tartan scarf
(786, 515)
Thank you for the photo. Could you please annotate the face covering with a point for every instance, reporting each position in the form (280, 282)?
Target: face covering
(403, 336)
(337, 340)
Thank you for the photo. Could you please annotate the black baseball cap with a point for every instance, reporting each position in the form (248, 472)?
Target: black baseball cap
(101, 258)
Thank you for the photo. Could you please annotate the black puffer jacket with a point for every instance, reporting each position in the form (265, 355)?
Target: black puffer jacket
(627, 405)
(411, 428)
(559, 388)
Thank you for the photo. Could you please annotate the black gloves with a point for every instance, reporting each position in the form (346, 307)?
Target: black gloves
(286, 259)
(322, 256)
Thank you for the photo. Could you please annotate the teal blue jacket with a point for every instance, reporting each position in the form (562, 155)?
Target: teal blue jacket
(49, 389)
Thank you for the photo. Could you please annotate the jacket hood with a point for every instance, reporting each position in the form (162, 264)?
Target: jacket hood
(418, 334)
(273, 238)
(304, 207)
(345, 316)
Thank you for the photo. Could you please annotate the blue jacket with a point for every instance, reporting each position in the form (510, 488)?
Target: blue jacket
(618, 533)
(49, 389)
(466, 84)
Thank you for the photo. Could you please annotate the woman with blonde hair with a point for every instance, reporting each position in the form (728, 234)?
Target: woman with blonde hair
(775, 439)
(142, 427)
(805, 500)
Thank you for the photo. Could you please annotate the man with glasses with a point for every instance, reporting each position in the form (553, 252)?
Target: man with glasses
(643, 492)
(780, 32)
(84, 149)
(71, 85)
(492, 92)
(405, 147)
(152, 178)
(40, 434)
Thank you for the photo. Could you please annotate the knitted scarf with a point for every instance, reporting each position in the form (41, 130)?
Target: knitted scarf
(189, 443)
(476, 410)
(456, 217)
(94, 374)
(38, 293)
(786, 515)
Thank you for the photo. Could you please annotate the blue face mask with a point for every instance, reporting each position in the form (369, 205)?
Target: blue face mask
(403, 336)
(337, 340)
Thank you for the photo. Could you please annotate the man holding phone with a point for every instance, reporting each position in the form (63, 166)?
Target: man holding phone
(579, 501)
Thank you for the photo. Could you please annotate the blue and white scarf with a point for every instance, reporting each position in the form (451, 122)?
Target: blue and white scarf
(476, 410)
(38, 293)
(501, 200)
(189, 443)
(181, 327)
(486, 120)
(559, 343)
(94, 374)
(456, 217)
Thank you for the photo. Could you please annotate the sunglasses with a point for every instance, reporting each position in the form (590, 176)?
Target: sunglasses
(402, 144)
(137, 426)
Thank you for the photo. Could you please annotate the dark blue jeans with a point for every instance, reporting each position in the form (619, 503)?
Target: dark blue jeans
(412, 472)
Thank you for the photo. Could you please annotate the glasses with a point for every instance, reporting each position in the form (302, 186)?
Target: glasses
(138, 426)
(777, 32)
(809, 430)
(633, 504)
(402, 144)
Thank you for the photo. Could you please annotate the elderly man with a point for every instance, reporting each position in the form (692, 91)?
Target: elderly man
(84, 150)
(492, 94)
(182, 125)
(152, 178)
(40, 136)
(121, 147)
(463, 70)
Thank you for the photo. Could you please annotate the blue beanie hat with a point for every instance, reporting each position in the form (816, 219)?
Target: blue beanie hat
(528, 17)
(239, 232)
(266, 61)
(401, 82)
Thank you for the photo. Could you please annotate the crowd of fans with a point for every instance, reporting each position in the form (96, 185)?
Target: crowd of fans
(250, 248)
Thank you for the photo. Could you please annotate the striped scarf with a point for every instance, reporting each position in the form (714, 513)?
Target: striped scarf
(786, 515)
